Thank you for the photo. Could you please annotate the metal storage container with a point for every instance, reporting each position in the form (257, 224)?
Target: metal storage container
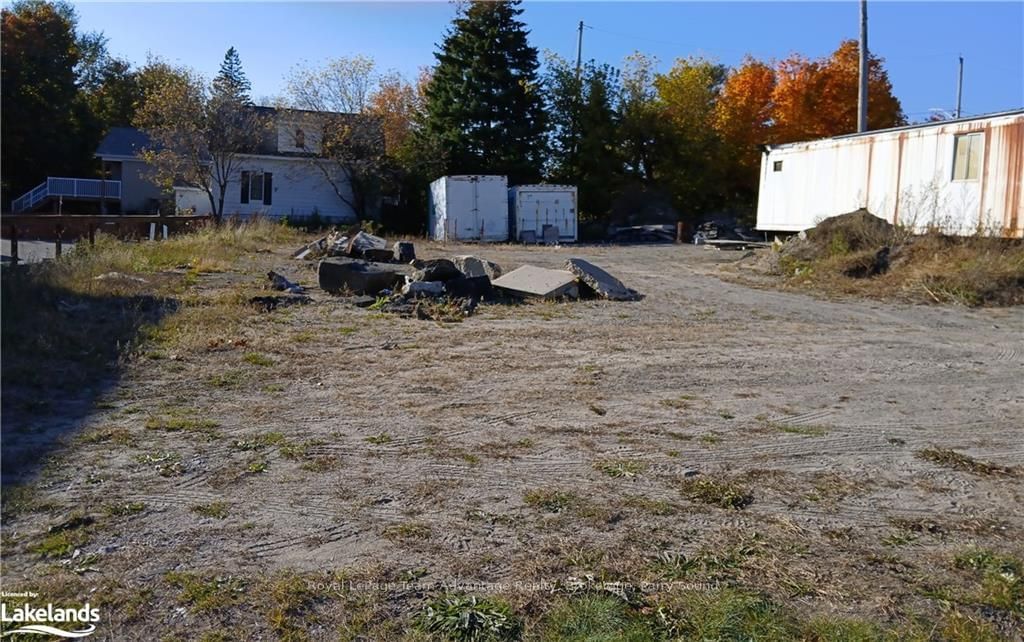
(533, 208)
(469, 208)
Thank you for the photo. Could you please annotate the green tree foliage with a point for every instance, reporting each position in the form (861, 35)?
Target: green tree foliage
(586, 148)
(641, 126)
(110, 87)
(691, 156)
(484, 104)
(231, 83)
(47, 128)
(198, 132)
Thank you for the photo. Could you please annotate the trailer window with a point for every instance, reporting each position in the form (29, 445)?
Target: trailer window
(777, 166)
(967, 156)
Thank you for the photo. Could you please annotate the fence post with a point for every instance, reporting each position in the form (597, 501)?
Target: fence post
(92, 234)
(58, 245)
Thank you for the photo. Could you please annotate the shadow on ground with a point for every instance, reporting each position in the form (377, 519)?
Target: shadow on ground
(62, 351)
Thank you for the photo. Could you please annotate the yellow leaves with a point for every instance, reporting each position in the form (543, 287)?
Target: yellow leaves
(689, 91)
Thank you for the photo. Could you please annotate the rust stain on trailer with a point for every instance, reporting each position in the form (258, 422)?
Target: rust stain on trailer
(1014, 144)
(987, 138)
(899, 174)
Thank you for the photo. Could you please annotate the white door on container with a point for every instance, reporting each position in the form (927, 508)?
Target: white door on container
(492, 218)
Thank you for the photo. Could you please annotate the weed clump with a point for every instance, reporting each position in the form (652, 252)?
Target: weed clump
(717, 492)
(470, 619)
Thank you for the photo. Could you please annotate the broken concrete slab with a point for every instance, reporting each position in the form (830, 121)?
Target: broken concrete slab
(380, 255)
(310, 248)
(436, 270)
(423, 288)
(531, 280)
(404, 251)
(600, 282)
(473, 266)
(363, 241)
(337, 274)
(470, 287)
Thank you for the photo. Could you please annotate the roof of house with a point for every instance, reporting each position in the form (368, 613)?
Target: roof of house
(126, 142)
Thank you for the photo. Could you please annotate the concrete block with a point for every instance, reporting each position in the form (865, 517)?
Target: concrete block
(600, 282)
(337, 274)
(472, 266)
(530, 280)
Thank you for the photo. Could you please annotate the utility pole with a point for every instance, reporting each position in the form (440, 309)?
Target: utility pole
(960, 87)
(862, 98)
(579, 49)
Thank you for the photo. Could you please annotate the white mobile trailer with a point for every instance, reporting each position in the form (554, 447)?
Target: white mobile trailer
(957, 175)
(469, 208)
(532, 207)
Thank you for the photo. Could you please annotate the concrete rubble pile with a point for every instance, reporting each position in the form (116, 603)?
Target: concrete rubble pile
(449, 288)
(361, 245)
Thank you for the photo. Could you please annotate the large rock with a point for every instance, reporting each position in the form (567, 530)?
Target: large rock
(531, 280)
(359, 277)
(600, 282)
(363, 241)
(468, 287)
(436, 270)
(472, 266)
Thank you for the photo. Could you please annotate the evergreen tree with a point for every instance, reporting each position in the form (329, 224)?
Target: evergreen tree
(231, 83)
(483, 105)
(586, 149)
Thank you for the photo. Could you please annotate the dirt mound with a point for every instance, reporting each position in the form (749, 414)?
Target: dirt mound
(858, 232)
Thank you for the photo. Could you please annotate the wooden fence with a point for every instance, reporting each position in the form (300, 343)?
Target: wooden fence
(60, 228)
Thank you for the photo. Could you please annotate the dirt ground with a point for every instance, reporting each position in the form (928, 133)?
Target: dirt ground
(710, 433)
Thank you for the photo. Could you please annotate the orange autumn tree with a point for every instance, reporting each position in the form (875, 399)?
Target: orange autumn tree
(818, 99)
(743, 119)
(395, 103)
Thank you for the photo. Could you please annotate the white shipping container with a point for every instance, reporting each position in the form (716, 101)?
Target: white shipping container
(469, 208)
(533, 207)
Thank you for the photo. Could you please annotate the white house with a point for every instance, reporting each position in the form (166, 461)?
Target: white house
(283, 176)
(956, 175)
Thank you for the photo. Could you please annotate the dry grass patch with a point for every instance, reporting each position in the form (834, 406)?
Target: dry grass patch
(958, 461)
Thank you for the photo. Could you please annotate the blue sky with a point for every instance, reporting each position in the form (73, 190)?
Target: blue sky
(920, 41)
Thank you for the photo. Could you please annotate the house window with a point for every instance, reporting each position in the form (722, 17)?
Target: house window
(300, 139)
(967, 156)
(777, 166)
(256, 187)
